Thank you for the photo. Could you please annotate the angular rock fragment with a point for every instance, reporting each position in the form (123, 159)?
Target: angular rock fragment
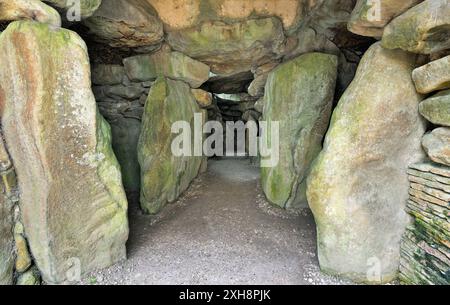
(437, 145)
(436, 109)
(433, 76)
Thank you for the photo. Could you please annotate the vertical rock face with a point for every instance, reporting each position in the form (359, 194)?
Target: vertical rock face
(165, 176)
(6, 219)
(299, 94)
(358, 188)
(72, 200)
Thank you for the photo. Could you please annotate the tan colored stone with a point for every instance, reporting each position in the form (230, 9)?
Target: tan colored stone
(203, 98)
(11, 10)
(365, 21)
(23, 259)
(437, 145)
(433, 76)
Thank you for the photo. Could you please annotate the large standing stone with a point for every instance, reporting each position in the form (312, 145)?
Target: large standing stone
(6, 219)
(126, 23)
(73, 205)
(436, 109)
(433, 76)
(11, 10)
(437, 145)
(424, 29)
(231, 48)
(370, 17)
(299, 94)
(358, 185)
(165, 176)
(174, 65)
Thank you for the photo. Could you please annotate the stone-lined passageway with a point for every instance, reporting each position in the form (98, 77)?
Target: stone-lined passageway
(221, 231)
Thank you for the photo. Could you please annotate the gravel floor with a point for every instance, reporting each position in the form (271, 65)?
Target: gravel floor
(221, 231)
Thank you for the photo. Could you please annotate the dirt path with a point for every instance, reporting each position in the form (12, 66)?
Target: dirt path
(221, 231)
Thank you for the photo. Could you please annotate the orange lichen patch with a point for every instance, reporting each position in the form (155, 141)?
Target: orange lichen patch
(286, 10)
(177, 14)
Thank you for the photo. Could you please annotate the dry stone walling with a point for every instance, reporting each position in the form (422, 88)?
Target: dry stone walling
(73, 205)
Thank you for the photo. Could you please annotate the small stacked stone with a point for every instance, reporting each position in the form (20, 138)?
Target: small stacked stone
(425, 248)
(22, 268)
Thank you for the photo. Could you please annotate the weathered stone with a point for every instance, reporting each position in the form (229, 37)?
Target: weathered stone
(370, 17)
(181, 14)
(436, 109)
(299, 94)
(437, 145)
(23, 259)
(126, 23)
(11, 10)
(358, 188)
(424, 29)
(31, 277)
(174, 65)
(165, 176)
(433, 76)
(87, 7)
(231, 48)
(107, 74)
(430, 167)
(125, 137)
(6, 237)
(72, 200)
(125, 92)
(203, 98)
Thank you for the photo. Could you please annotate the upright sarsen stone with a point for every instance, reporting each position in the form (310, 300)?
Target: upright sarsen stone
(299, 95)
(73, 205)
(358, 187)
(164, 176)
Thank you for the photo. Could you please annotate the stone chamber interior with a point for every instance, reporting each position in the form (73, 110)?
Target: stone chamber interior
(92, 190)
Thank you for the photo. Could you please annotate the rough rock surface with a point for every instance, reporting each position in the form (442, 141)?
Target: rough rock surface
(357, 188)
(165, 176)
(73, 205)
(365, 20)
(299, 94)
(203, 98)
(433, 76)
(436, 109)
(11, 10)
(231, 48)
(437, 145)
(6, 218)
(107, 74)
(174, 65)
(424, 29)
(126, 23)
(88, 7)
(425, 245)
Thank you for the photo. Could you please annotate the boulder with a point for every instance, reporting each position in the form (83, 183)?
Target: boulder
(11, 10)
(437, 145)
(174, 65)
(433, 76)
(436, 109)
(23, 259)
(126, 24)
(370, 17)
(87, 7)
(358, 187)
(423, 29)
(107, 74)
(299, 94)
(165, 176)
(73, 205)
(231, 48)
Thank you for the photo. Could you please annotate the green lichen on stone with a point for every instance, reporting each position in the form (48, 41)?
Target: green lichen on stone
(437, 108)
